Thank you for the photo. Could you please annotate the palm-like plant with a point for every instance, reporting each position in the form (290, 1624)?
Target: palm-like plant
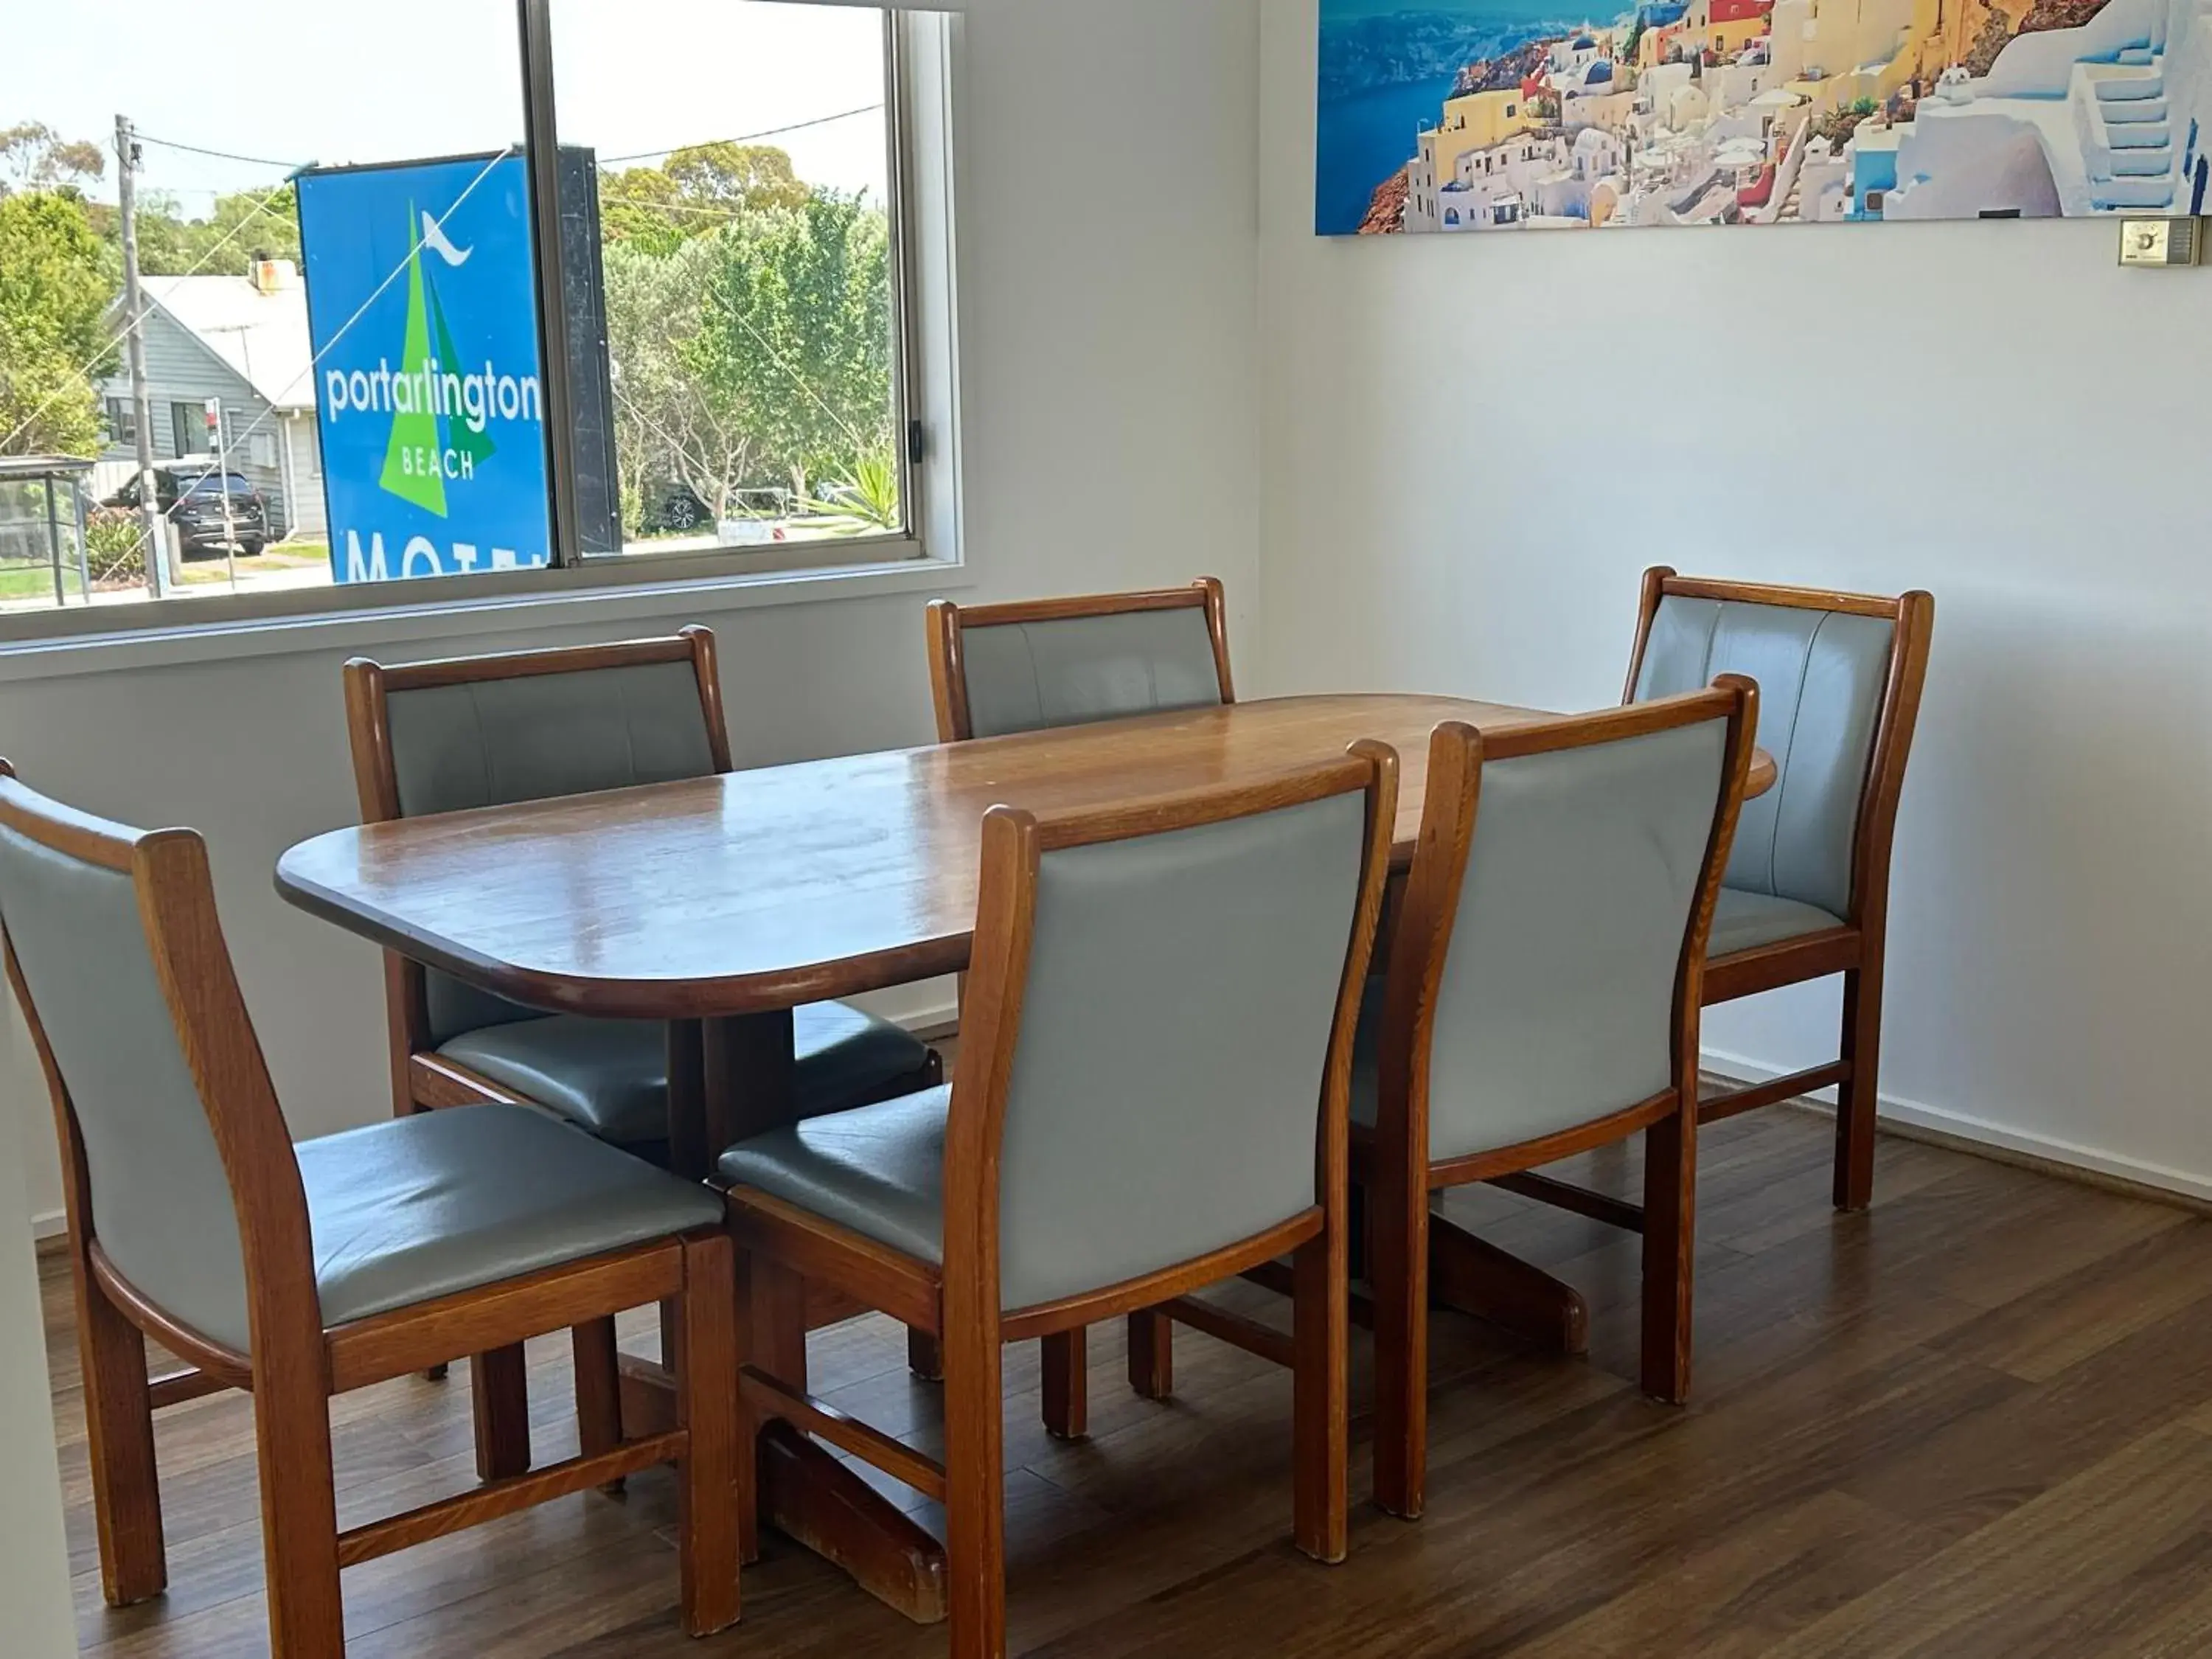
(868, 500)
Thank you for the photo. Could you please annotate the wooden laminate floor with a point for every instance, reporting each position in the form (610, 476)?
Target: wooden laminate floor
(1977, 1422)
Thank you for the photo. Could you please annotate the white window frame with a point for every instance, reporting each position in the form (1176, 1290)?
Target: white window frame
(929, 557)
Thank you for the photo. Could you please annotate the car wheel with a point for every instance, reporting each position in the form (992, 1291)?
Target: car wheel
(683, 514)
(250, 550)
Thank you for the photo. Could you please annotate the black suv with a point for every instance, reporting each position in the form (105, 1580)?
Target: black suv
(191, 495)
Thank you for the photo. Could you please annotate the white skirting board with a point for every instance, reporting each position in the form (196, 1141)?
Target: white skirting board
(1909, 1115)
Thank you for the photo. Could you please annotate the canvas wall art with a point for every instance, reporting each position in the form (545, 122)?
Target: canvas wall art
(1468, 115)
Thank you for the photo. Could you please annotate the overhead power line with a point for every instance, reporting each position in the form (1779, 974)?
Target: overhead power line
(743, 137)
(222, 155)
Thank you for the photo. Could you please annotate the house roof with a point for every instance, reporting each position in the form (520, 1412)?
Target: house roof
(263, 338)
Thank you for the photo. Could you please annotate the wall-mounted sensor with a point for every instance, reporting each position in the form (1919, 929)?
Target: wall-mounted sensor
(2160, 241)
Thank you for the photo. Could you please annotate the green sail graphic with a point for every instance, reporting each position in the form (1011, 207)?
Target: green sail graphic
(478, 446)
(415, 431)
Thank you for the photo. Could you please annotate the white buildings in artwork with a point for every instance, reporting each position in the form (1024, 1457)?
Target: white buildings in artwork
(1696, 112)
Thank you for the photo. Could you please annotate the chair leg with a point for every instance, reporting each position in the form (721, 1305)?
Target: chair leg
(1066, 1383)
(1857, 1097)
(1670, 1193)
(924, 1357)
(745, 1477)
(771, 1336)
(1398, 1278)
(298, 1520)
(1320, 1409)
(709, 1547)
(499, 1393)
(126, 1495)
(1151, 1354)
(975, 1496)
(598, 1392)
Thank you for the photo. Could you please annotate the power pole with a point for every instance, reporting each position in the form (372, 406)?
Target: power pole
(134, 352)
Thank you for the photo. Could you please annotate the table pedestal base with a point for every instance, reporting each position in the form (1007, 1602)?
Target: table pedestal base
(1475, 1278)
(812, 1500)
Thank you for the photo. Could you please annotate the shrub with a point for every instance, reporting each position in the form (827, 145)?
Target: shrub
(114, 547)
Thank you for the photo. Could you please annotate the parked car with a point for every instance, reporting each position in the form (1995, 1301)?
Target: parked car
(674, 505)
(191, 495)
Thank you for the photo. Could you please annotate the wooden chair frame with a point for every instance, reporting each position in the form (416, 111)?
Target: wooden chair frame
(1393, 1162)
(296, 1365)
(423, 1080)
(1064, 1383)
(948, 677)
(1857, 948)
(779, 1243)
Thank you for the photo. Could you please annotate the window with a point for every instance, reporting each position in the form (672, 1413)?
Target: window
(750, 276)
(669, 334)
(188, 429)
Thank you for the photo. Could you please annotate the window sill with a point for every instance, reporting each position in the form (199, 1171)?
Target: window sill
(381, 625)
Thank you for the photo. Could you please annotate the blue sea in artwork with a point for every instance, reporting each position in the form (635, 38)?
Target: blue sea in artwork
(1364, 138)
(1387, 67)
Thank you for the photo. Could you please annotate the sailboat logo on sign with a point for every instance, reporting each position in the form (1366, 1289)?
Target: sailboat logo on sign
(441, 408)
(427, 471)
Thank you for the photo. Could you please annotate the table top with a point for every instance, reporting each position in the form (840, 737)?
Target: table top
(751, 891)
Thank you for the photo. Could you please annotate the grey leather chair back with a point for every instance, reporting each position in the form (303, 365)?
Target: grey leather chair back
(1556, 1006)
(1027, 677)
(1822, 676)
(1166, 1077)
(162, 1203)
(493, 743)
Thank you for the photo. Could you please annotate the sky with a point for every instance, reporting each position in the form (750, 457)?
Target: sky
(292, 82)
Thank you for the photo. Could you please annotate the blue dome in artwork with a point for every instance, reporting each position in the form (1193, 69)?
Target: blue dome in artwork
(1600, 74)
(1582, 43)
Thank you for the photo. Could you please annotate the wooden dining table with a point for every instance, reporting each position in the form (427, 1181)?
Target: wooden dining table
(719, 904)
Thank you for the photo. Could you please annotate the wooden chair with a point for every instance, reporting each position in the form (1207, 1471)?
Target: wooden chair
(996, 669)
(441, 736)
(1226, 936)
(303, 1273)
(1806, 893)
(1542, 998)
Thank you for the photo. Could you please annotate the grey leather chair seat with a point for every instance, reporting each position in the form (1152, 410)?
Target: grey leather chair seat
(407, 1212)
(878, 1169)
(1744, 921)
(611, 1075)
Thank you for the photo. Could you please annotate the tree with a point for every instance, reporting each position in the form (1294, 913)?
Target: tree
(669, 426)
(57, 282)
(240, 227)
(800, 333)
(34, 156)
(757, 350)
(697, 191)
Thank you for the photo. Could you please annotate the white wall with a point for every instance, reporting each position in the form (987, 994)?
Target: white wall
(35, 1582)
(1110, 440)
(1994, 412)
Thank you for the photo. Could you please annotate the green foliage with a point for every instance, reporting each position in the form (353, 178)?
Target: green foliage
(114, 547)
(868, 500)
(34, 156)
(1839, 124)
(225, 243)
(799, 305)
(56, 282)
(754, 353)
(695, 193)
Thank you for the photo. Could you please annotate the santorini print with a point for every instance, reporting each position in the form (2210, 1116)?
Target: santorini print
(1463, 115)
